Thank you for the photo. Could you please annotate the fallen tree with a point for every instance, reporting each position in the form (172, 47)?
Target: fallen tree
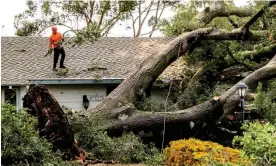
(209, 111)
(133, 88)
(119, 106)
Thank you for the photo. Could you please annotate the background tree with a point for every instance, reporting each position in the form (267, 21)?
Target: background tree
(90, 19)
(86, 19)
(152, 11)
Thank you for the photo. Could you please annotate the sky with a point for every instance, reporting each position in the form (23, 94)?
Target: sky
(9, 8)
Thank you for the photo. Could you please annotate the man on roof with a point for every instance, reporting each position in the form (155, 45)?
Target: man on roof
(55, 42)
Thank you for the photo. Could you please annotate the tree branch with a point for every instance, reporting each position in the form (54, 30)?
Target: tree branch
(111, 22)
(92, 3)
(140, 15)
(143, 20)
(235, 25)
(209, 14)
(157, 18)
(235, 34)
(258, 14)
(235, 60)
(133, 24)
(102, 16)
(267, 51)
(82, 12)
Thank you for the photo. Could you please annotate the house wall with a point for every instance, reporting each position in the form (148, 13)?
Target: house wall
(72, 95)
(67, 95)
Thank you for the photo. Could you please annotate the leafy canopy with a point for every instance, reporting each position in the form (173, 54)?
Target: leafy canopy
(86, 19)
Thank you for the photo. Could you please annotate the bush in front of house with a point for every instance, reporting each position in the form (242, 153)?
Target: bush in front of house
(152, 105)
(125, 149)
(265, 101)
(21, 144)
(259, 142)
(196, 152)
(155, 158)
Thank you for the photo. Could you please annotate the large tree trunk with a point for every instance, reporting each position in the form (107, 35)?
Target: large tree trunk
(52, 122)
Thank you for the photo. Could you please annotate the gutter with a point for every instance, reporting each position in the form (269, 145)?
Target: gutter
(13, 85)
(76, 81)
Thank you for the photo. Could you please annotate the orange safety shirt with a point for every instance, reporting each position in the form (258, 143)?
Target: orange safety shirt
(54, 38)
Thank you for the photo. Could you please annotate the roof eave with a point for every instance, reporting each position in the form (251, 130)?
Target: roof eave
(75, 81)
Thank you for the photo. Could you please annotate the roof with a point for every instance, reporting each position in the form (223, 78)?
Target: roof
(108, 58)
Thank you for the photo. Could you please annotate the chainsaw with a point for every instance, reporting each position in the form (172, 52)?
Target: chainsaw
(50, 50)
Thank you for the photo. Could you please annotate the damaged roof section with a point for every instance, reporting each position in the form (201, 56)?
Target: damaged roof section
(22, 59)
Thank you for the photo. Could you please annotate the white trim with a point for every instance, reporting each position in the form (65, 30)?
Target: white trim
(18, 98)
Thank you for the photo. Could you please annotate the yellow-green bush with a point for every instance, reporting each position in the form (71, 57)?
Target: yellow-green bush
(258, 142)
(197, 152)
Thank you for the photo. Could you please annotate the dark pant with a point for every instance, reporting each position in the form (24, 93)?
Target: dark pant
(58, 51)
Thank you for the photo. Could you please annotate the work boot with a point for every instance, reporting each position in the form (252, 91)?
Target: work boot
(55, 69)
(63, 67)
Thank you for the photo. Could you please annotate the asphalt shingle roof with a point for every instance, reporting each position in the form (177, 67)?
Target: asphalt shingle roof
(22, 58)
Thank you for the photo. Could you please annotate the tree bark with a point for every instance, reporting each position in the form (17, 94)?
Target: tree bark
(52, 122)
(209, 14)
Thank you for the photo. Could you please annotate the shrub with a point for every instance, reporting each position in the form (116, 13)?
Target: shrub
(155, 159)
(265, 101)
(153, 106)
(258, 141)
(197, 152)
(20, 143)
(126, 149)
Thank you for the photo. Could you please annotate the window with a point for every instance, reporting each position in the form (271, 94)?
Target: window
(110, 88)
(10, 96)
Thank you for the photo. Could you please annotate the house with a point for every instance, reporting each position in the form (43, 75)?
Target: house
(95, 69)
